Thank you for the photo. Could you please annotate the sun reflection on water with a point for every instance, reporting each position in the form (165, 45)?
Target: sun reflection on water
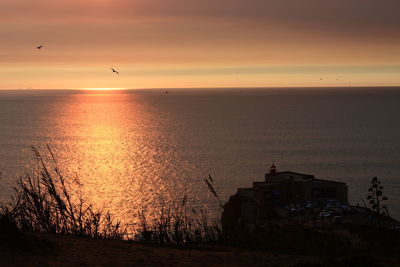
(134, 148)
(114, 143)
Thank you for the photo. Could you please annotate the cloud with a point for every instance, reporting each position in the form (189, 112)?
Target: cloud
(354, 16)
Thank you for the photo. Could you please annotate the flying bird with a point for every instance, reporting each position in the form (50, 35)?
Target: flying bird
(39, 47)
(114, 71)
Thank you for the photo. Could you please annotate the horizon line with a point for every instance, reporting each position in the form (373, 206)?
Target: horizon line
(209, 87)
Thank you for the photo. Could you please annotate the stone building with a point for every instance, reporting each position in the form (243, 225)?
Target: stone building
(266, 199)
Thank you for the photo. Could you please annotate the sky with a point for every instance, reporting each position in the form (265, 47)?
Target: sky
(198, 43)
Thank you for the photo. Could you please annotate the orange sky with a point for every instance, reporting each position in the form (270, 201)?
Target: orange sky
(193, 43)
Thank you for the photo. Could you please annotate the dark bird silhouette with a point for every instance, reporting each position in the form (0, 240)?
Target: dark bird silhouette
(114, 71)
(166, 92)
(39, 47)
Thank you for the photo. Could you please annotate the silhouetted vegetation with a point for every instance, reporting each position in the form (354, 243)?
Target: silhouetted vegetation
(46, 202)
(210, 184)
(49, 202)
(178, 225)
(376, 198)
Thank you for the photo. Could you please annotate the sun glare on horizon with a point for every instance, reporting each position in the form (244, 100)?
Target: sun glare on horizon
(103, 88)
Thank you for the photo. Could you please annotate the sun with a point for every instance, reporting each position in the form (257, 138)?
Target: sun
(103, 88)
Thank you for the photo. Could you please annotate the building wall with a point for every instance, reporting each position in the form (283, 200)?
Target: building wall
(264, 199)
(290, 191)
(320, 192)
(284, 176)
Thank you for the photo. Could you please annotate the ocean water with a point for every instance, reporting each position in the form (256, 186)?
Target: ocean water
(138, 149)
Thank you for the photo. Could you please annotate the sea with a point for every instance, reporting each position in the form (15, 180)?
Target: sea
(139, 150)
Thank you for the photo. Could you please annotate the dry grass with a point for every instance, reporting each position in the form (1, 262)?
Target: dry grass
(178, 225)
(49, 202)
(46, 202)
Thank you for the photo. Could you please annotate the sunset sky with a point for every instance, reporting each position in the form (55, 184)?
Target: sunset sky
(198, 43)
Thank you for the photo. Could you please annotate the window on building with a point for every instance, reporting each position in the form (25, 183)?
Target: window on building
(273, 194)
(327, 192)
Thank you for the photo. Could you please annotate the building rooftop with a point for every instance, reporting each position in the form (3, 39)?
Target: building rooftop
(293, 173)
(275, 177)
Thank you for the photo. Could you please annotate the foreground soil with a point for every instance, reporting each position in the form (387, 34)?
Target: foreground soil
(54, 250)
(289, 246)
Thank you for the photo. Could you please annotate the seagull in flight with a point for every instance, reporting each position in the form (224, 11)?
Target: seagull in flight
(114, 71)
(39, 47)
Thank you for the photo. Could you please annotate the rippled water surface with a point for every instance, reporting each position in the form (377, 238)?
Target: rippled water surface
(134, 149)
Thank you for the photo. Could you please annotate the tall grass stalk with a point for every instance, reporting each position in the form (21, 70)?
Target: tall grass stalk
(178, 225)
(47, 202)
(181, 225)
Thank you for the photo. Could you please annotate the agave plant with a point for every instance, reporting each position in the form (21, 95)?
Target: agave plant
(376, 198)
